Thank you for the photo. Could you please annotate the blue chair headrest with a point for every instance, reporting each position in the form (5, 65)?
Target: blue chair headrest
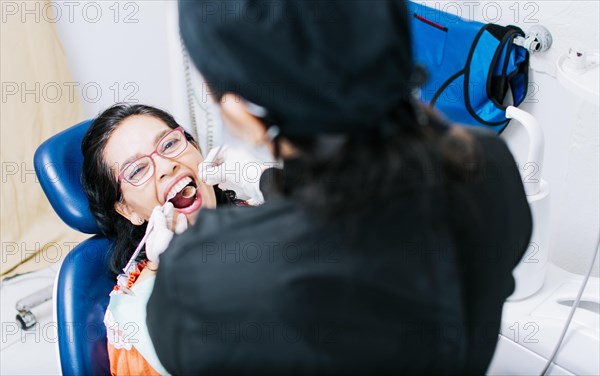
(58, 164)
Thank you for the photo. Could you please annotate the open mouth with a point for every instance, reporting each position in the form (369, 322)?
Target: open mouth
(184, 194)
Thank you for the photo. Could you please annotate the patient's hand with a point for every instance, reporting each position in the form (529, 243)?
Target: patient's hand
(162, 227)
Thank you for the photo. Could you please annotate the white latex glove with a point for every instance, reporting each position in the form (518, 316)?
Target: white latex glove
(234, 169)
(161, 223)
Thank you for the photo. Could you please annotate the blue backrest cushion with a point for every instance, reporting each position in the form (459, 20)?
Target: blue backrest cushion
(58, 164)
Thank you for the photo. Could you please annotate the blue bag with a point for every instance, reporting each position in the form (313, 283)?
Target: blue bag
(470, 66)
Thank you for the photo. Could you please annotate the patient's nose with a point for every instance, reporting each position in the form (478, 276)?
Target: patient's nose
(164, 166)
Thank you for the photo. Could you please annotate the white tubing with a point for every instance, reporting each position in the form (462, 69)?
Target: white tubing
(535, 155)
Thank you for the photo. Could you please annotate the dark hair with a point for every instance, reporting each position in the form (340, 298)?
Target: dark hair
(409, 154)
(101, 187)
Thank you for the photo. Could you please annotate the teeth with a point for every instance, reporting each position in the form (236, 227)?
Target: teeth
(179, 186)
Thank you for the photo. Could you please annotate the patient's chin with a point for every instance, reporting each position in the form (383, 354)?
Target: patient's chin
(192, 217)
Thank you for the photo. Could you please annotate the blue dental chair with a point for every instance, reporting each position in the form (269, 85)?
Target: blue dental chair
(83, 282)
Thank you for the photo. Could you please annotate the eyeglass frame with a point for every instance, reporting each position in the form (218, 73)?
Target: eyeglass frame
(121, 177)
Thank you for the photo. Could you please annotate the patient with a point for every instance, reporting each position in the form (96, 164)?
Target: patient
(135, 157)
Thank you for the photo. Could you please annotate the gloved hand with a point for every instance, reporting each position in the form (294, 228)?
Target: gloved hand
(161, 224)
(234, 169)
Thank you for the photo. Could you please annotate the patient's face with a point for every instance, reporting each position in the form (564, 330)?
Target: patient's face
(137, 136)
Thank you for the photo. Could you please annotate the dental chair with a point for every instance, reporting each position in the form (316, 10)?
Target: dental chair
(83, 283)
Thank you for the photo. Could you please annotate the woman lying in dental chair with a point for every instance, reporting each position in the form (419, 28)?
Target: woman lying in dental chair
(141, 167)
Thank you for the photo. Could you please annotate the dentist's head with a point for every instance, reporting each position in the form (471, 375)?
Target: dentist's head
(326, 83)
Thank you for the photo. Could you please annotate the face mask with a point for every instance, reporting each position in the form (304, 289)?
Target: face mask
(260, 152)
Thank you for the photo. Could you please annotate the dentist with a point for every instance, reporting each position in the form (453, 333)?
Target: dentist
(386, 243)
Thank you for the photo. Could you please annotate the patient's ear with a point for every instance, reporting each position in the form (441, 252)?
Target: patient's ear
(126, 211)
(240, 122)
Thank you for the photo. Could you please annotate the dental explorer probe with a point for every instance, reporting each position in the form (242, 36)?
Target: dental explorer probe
(123, 278)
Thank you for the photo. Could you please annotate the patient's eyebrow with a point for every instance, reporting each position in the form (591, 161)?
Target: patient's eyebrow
(129, 160)
(161, 135)
(139, 155)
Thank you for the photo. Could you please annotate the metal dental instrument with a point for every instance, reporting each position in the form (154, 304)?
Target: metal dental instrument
(188, 192)
(216, 158)
(123, 278)
(24, 306)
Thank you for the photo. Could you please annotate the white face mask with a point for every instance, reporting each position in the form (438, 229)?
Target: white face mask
(260, 152)
(210, 130)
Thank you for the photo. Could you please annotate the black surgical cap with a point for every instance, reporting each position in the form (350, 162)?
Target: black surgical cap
(316, 66)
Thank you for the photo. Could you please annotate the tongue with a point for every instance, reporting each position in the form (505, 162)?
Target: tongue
(179, 201)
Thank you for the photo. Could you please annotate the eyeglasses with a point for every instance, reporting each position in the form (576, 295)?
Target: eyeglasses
(142, 169)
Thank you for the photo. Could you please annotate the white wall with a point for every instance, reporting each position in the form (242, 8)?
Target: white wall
(129, 50)
(145, 54)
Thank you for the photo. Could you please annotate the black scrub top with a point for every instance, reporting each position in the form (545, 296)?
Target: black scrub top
(275, 290)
